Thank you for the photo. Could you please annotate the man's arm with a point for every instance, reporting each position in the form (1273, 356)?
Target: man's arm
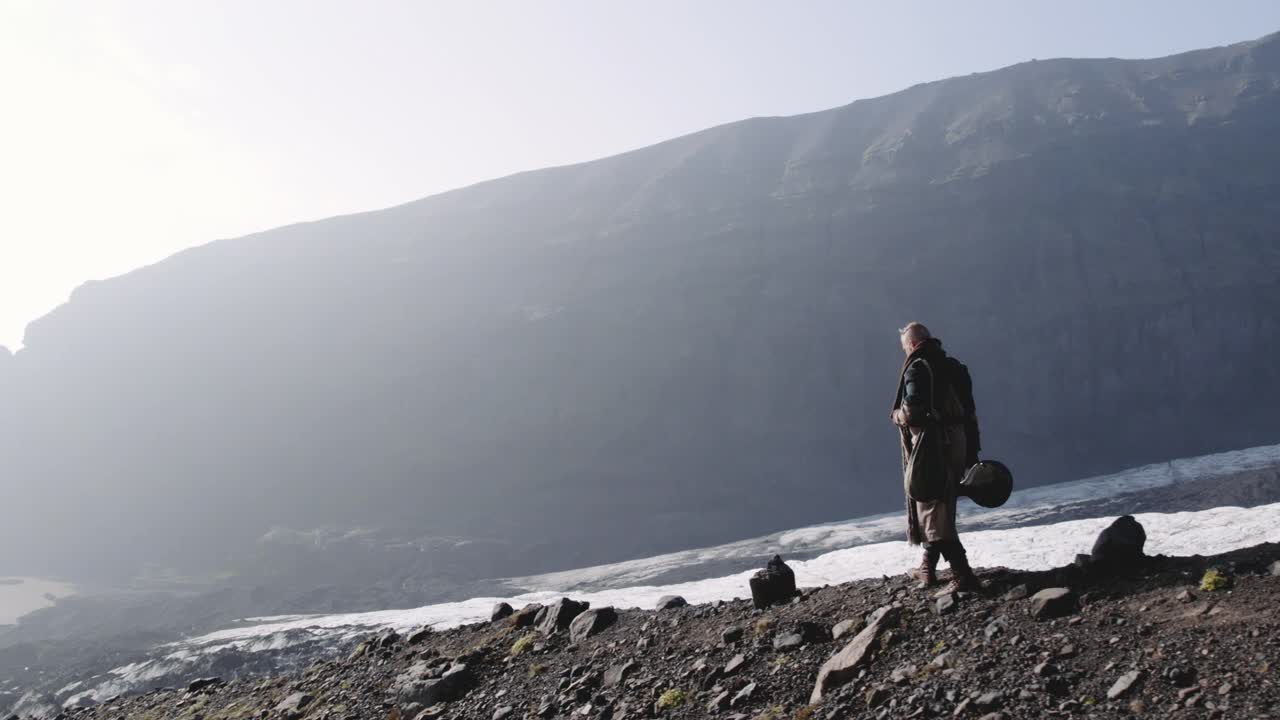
(917, 394)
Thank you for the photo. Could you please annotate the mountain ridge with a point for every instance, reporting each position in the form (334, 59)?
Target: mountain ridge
(679, 338)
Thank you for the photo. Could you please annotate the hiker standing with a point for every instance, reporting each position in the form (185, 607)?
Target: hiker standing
(933, 409)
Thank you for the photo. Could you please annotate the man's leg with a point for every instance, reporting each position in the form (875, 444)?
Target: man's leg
(927, 573)
(962, 577)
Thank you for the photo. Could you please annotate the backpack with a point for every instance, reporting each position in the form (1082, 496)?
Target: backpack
(962, 384)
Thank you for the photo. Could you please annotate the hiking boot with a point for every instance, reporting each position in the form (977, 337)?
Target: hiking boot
(927, 573)
(962, 577)
(963, 582)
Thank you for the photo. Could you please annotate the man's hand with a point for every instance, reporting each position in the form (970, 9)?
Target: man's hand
(898, 417)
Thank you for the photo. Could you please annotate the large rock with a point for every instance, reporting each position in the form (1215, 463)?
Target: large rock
(1119, 546)
(560, 615)
(294, 705)
(671, 602)
(1053, 603)
(775, 584)
(416, 685)
(590, 622)
(527, 615)
(844, 665)
(501, 611)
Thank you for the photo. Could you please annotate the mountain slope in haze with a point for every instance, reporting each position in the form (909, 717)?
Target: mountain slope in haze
(684, 344)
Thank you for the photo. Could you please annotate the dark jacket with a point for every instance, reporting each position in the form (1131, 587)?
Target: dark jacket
(924, 388)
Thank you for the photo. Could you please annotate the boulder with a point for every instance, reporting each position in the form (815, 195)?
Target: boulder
(844, 665)
(418, 635)
(501, 611)
(413, 687)
(671, 602)
(773, 585)
(617, 674)
(560, 615)
(590, 622)
(526, 616)
(1053, 603)
(1119, 546)
(294, 705)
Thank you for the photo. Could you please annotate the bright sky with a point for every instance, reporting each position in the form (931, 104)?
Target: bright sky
(132, 129)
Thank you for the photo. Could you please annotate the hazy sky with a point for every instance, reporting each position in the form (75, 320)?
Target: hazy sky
(130, 130)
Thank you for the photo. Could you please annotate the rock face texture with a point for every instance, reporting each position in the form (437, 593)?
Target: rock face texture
(700, 332)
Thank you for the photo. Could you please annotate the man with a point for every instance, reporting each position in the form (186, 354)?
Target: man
(928, 400)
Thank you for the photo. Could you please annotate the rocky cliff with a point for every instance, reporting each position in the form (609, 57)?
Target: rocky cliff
(684, 344)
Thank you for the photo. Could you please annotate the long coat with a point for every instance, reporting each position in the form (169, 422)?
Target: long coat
(925, 399)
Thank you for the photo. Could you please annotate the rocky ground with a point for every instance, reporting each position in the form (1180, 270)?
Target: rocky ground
(1145, 641)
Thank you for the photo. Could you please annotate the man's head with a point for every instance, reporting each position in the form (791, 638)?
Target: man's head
(913, 336)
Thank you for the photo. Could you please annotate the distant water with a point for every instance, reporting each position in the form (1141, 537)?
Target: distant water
(21, 595)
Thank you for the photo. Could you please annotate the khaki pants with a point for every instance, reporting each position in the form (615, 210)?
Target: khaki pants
(938, 517)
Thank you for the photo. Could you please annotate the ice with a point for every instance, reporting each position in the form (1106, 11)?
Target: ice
(1018, 535)
(1031, 548)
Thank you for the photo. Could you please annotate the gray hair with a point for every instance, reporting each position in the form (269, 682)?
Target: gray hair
(914, 333)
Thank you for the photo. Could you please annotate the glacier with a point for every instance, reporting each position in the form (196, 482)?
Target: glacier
(1039, 528)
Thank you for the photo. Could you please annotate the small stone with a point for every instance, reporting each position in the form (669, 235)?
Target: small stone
(734, 665)
(1019, 592)
(1045, 669)
(417, 636)
(1124, 684)
(1067, 651)
(844, 627)
(1053, 603)
(719, 702)
(1180, 676)
(503, 712)
(731, 635)
(945, 604)
(903, 673)
(962, 708)
(200, 684)
(743, 696)
(1137, 707)
(788, 641)
(876, 696)
(989, 700)
(1224, 689)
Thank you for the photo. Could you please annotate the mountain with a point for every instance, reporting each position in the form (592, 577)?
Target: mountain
(681, 345)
